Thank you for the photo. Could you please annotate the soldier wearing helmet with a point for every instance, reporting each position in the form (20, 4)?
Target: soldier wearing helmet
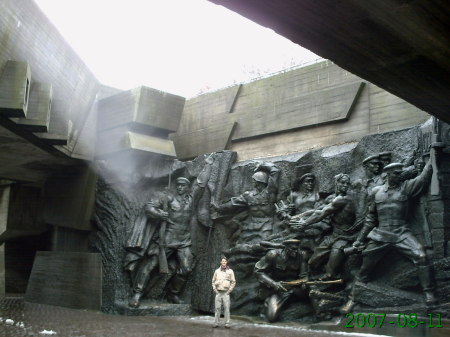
(259, 202)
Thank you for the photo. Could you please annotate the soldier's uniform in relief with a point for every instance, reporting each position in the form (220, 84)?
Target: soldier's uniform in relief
(386, 226)
(259, 203)
(278, 265)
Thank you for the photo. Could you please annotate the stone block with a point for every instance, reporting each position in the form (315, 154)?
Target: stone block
(39, 107)
(119, 140)
(436, 220)
(435, 206)
(15, 84)
(144, 106)
(213, 139)
(377, 295)
(66, 279)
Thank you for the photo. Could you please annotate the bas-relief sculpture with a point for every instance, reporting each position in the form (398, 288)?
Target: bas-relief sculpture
(166, 240)
(312, 252)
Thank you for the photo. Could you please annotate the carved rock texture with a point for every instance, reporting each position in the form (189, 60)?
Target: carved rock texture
(395, 280)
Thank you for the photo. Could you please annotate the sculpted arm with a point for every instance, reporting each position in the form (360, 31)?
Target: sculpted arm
(415, 186)
(263, 266)
(155, 210)
(370, 221)
(321, 214)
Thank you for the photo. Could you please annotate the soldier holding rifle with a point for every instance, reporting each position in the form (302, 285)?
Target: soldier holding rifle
(278, 272)
(171, 249)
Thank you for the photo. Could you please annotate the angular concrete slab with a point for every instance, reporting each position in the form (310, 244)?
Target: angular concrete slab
(15, 89)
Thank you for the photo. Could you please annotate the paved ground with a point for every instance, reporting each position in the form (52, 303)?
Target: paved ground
(19, 318)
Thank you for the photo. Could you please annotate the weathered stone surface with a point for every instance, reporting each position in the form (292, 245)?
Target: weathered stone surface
(395, 282)
(149, 308)
(66, 279)
(376, 294)
(143, 105)
(15, 84)
(39, 108)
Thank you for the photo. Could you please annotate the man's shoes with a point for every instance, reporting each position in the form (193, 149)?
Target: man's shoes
(347, 307)
(215, 325)
(227, 326)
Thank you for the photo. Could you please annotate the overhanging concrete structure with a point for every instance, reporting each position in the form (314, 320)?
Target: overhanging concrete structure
(403, 46)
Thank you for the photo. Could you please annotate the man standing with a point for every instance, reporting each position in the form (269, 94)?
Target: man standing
(223, 283)
(386, 228)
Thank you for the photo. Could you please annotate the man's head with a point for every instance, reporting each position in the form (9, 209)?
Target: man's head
(306, 182)
(183, 185)
(385, 158)
(394, 173)
(260, 180)
(291, 247)
(372, 165)
(342, 183)
(223, 262)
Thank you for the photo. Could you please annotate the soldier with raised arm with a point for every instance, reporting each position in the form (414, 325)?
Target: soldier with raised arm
(386, 228)
(170, 245)
(259, 202)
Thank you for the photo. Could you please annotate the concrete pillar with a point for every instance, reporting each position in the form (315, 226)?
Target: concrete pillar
(4, 205)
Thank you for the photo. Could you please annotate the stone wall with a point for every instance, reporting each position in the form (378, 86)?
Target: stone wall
(307, 108)
(27, 35)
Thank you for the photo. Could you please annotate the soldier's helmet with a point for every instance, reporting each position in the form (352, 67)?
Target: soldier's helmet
(261, 177)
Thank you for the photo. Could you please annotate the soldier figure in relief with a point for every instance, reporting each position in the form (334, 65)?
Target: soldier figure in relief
(149, 247)
(386, 228)
(341, 210)
(278, 265)
(259, 202)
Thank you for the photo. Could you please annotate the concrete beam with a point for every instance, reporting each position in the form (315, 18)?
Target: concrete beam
(15, 89)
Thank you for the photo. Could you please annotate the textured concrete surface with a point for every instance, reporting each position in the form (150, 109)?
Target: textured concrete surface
(19, 318)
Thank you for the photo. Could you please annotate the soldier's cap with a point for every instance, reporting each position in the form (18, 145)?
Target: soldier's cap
(386, 154)
(374, 158)
(393, 167)
(183, 180)
(291, 242)
(306, 175)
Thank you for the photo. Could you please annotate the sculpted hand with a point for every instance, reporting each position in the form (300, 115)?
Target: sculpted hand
(279, 287)
(358, 245)
(210, 159)
(297, 224)
(291, 208)
(164, 215)
(419, 165)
